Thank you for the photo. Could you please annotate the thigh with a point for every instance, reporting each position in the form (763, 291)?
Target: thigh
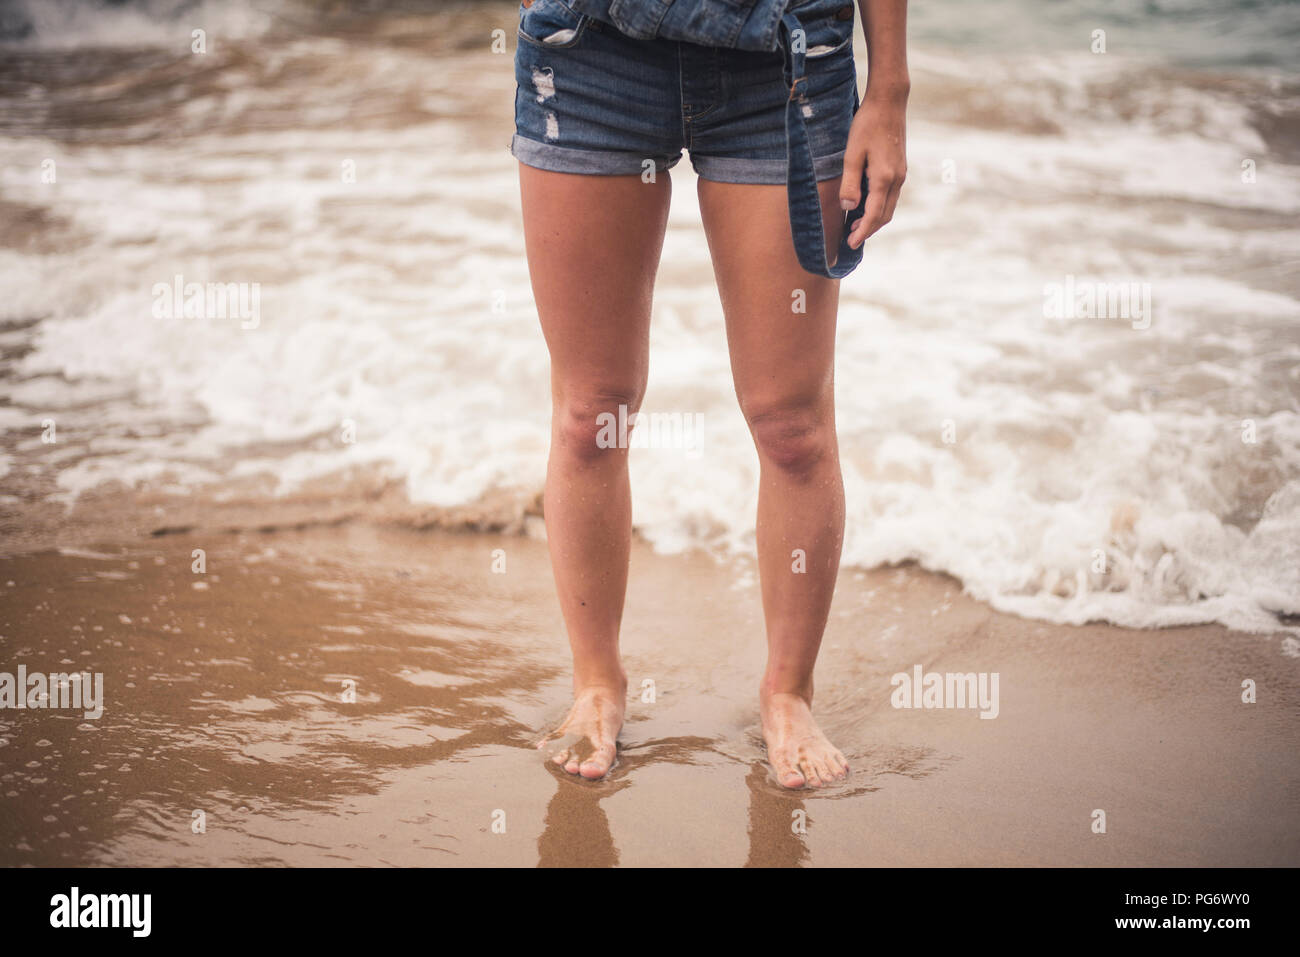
(593, 245)
(780, 318)
(596, 130)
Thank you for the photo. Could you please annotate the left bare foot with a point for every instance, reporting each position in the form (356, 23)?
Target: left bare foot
(796, 747)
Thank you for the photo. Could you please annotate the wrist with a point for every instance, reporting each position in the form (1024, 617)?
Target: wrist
(892, 89)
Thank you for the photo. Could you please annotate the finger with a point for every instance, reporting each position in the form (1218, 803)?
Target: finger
(892, 202)
(889, 183)
(855, 161)
(864, 227)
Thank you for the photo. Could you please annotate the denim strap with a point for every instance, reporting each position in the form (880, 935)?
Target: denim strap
(806, 225)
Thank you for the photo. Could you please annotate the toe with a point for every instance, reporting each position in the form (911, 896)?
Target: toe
(598, 765)
(829, 772)
(786, 772)
(810, 773)
(567, 759)
(818, 764)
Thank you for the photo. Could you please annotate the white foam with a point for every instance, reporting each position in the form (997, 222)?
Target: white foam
(69, 24)
(400, 304)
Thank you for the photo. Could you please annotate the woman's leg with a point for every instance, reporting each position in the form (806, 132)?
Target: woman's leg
(593, 246)
(781, 334)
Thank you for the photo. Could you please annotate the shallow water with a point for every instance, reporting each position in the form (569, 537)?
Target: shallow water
(227, 695)
(225, 706)
(355, 169)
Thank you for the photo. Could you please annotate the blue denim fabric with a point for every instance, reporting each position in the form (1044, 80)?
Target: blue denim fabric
(740, 24)
(593, 99)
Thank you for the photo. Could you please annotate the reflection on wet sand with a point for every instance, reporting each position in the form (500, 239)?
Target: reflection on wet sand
(577, 831)
(353, 696)
(254, 702)
(777, 823)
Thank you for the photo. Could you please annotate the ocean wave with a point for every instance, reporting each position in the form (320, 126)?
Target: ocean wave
(1074, 467)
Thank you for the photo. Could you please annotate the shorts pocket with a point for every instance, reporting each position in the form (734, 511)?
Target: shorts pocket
(551, 24)
(827, 36)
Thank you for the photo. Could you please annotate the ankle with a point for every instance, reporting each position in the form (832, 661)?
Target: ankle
(595, 679)
(772, 686)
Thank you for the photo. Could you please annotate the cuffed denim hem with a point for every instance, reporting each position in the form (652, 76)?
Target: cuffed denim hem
(730, 169)
(564, 159)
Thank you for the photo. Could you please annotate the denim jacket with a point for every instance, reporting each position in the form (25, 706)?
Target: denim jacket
(743, 24)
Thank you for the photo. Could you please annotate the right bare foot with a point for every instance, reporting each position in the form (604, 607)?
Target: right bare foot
(595, 719)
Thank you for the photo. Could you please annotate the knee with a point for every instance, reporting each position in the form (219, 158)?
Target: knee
(590, 427)
(792, 436)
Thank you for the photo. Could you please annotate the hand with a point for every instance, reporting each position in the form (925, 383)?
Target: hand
(877, 141)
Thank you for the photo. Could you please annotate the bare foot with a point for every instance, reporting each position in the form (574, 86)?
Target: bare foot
(595, 719)
(799, 752)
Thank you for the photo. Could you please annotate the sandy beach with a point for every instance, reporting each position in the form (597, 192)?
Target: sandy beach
(223, 694)
(300, 538)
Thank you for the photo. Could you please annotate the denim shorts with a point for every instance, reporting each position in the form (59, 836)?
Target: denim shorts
(590, 99)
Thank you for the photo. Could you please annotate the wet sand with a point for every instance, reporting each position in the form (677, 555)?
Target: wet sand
(224, 696)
